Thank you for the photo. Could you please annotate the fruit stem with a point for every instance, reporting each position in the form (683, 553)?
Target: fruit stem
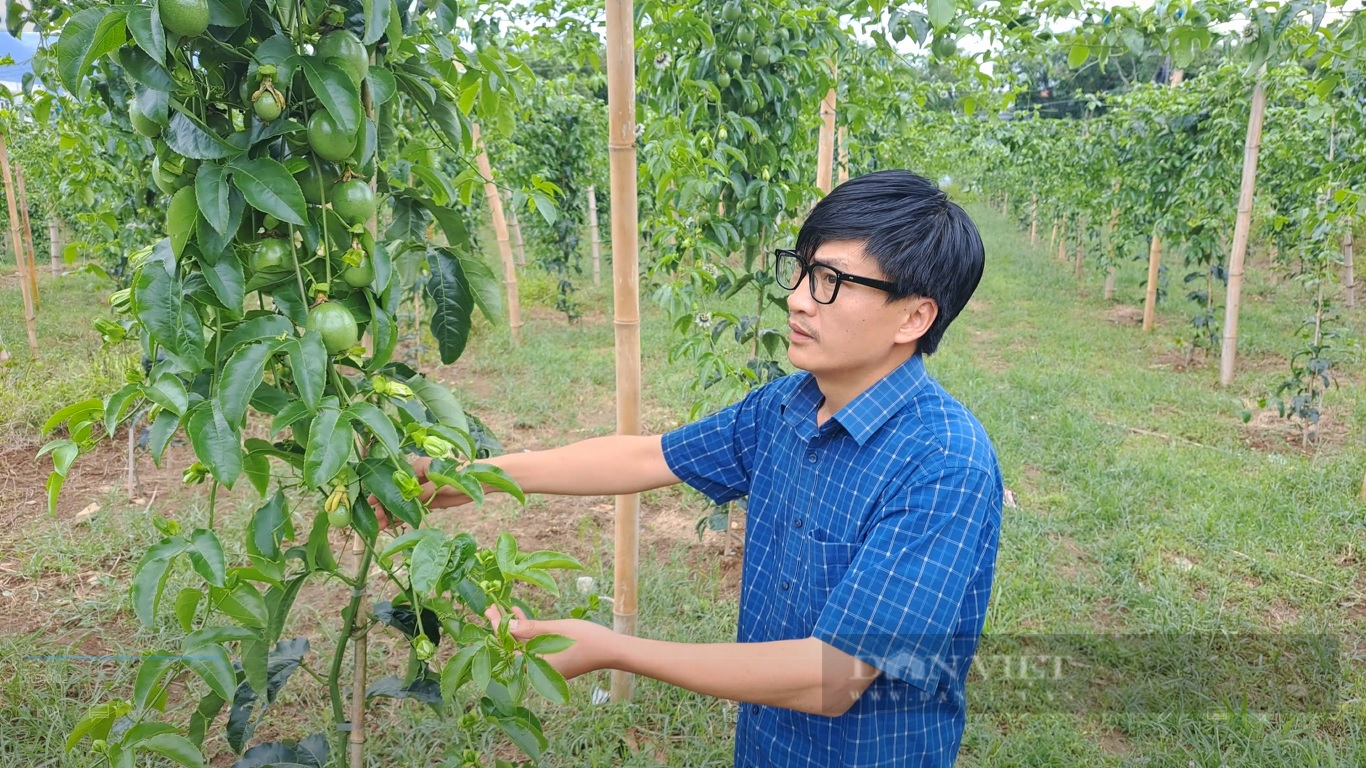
(213, 502)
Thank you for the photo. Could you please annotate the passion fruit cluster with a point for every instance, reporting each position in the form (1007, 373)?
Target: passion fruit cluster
(241, 84)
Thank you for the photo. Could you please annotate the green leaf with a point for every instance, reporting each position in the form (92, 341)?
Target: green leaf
(452, 304)
(546, 207)
(456, 671)
(547, 681)
(545, 645)
(1078, 54)
(336, 91)
(227, 13)
(226, 280)
(270, 326)
(181, 216)
(175, 747)
(278, 601)
(485, 286)
(149, 577)
(524, 734)
(189, 137)
(216, 636)
(97, 722)
(241, 376)
(87, 36)
(379, 425)
(147, 688)
(308, 359)
(206, 556)
(545, 560)
(485, 474)
(437, 398)
(941, 13)
(158, 301)
(163, 427)
(319, 550)
(211, 191)
(329, 445)
(145, 25)
(168, 391)
(376, 19)
(83, 409)
(243, 604)
(269, 188)
(255, 657)
(209, 707)
(506, 552)
(377, 477)
(186, 603)
(428, 563)
(211, 663)
(382, 84)
(270, 525)
(144, 70)
(481, 668)
(216, 442)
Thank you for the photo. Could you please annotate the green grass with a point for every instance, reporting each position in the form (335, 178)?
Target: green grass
(1145, 505)
(70, 365)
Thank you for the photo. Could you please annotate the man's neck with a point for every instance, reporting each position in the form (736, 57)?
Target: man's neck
(840, 391)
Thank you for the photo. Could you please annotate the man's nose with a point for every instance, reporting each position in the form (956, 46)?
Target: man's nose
(799, 300)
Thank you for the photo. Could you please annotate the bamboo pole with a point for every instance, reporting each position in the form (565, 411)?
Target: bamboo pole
(1081, 258)
(1155, 246)
(1111, 250)
(825, 144)
(844, 154)
(1053, 236)
(17, 242)
(500, 231)
(28, 237)
(54, 244)
(1062, 244)
(621, 150)
(356, 737)
(515, 227)
(1034, 220)
(1349, 280)
(1242, 227)
(1150, 297)
(593, 237)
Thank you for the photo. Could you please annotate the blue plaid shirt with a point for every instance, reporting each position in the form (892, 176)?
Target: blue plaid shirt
(875, 532)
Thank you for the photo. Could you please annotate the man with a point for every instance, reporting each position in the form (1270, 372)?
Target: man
(874, 501)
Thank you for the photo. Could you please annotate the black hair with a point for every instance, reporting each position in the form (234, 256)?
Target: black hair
(925, 244)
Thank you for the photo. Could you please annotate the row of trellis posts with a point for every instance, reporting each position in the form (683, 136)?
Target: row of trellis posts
(21, 244)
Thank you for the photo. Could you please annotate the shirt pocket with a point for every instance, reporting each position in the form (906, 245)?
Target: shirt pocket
(827, 562)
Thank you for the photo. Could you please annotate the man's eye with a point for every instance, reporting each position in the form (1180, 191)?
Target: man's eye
(829, 278)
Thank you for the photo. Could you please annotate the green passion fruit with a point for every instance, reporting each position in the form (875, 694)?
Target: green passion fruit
(316, 180)
(362, 276)
(187, 18)
(267, 107)
(348, 52)
(353, 201)
(327, 139)
(141, 122)
(271, 255)
(336, 325)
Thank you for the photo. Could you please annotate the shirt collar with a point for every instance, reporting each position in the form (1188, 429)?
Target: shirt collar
(866, 412)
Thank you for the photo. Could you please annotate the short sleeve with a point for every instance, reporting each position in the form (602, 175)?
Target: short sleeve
(897, 606)
(715, 454)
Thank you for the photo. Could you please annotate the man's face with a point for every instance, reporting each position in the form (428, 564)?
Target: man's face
(858, 333)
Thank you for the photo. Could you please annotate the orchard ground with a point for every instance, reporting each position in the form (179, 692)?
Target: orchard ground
(1144, 504)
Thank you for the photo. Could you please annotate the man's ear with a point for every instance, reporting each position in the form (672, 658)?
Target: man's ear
(920, 315)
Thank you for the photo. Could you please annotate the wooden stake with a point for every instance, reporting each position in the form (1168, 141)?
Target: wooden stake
(1150, 298)
(621, 151)
(1349, 280)
(825, 143)
(516, 229)
(1034, 220)
(19, 260)
(1062, 245)
(1241, 228)
(356, 738)
(1081, 258)
(54, 244)
(1053, 236)
(593, 235)
(844, 154)
(500, 231)
(28, 237)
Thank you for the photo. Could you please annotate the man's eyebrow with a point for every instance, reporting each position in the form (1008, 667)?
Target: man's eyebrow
(837, 262)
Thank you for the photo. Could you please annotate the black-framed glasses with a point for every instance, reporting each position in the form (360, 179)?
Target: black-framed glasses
(825, 280)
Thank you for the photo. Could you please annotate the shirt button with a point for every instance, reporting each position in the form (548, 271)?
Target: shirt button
(786, 586)
(754, 708)
(811, 457)
(798, 522)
